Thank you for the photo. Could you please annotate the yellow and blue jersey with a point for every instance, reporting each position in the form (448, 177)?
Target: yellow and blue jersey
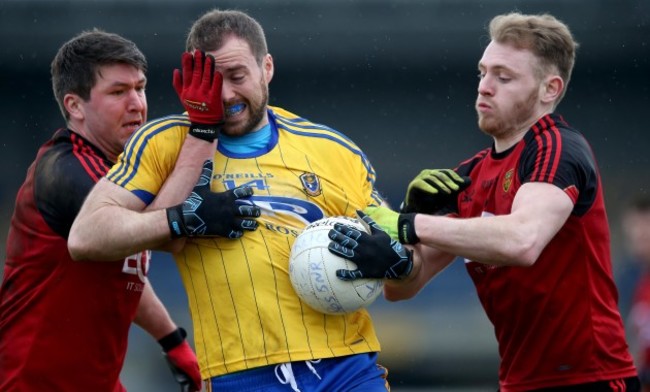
(244, 309)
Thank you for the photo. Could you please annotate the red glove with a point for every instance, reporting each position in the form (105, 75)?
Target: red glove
(182, 361)
(198, 86)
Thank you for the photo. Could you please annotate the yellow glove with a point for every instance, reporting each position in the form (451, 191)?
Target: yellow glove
(434, 191)
(400, 227)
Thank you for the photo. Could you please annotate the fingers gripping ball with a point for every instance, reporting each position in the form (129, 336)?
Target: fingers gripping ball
(312, 269)
(373, 251)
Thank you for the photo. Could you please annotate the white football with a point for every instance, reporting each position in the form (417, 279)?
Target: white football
(312, 269)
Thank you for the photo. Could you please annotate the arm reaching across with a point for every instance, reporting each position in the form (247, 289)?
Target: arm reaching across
(518, 238)
(111, 225)
(539, 210)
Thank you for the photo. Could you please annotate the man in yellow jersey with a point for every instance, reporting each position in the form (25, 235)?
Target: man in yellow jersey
(251, 330)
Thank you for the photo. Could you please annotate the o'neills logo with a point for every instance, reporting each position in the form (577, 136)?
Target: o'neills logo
(507, 180)
(311, 184)
(200, 106)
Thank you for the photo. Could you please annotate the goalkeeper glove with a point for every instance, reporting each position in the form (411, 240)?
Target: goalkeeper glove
(205, 213)
(434, 191)
(376, 255)
(398, 226)
(181, 360)
(199, 86)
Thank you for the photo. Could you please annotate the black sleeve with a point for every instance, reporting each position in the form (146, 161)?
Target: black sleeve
(566, 161)
(60, 187)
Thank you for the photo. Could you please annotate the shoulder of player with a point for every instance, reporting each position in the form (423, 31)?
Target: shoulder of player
(296, 126)
(552, 131)
(64, 172)
(160, 130)
(553, 146)
(70, 158)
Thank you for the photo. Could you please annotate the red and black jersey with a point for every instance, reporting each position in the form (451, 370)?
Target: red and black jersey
(557, 322)
(63, 324)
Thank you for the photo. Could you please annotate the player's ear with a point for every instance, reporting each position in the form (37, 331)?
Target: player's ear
(552, 88)
(268, 68)
(73, 104)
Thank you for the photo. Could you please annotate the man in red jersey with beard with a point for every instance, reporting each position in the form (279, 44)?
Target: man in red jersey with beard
(529, 221)
(64, 324)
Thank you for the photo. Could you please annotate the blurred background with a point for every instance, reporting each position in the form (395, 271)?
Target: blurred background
(399, 77)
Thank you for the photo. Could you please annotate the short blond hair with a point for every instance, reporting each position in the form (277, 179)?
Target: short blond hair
(548, 38)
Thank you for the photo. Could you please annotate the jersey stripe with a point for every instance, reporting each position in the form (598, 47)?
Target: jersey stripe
(549, 149)
(137, 144)
(92, 164)
(557, 151)
(314, 130)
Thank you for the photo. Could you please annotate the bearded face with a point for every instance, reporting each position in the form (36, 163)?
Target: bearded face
(508, 99)
(507, 117)
(245, 90)
(254, 110)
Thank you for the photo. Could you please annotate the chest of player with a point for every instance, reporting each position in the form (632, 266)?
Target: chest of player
(495, 181)
(291, 185)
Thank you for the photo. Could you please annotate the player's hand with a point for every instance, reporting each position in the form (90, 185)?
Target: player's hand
(376, 254)
(434, 191)
(182, 361)
(398, 226)
(199, 86)
(208, 214)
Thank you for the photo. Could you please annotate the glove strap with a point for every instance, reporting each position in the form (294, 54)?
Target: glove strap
(405, 208)
(406, 229)
(172, 340)
(175, 221)
(409, 264)
(207, 132)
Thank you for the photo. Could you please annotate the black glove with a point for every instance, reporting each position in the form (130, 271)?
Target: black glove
(376, 254)
(434, 191)
(208, 214)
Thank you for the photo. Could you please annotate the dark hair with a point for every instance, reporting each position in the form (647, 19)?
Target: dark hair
(75, 66)
(548, 38)
(212, 28)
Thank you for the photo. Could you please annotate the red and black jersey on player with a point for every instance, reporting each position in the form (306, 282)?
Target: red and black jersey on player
(557, 322)
(63, 324)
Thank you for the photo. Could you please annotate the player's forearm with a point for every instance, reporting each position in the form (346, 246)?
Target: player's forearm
(152, 316)
(112, 233)
(179, 184)
(406, 288)
(427, 263)
(496, 240)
